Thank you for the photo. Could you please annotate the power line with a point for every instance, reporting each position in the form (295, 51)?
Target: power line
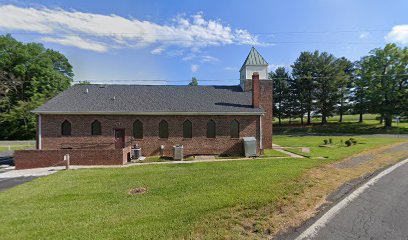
(169, 35)
(209, 80)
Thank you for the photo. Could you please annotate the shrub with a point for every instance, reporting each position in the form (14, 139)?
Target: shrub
(348, 143)
(354, 141)
(325, 141)
(330, 140)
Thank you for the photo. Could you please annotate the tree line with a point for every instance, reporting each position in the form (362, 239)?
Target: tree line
(29, 75)
(323, 85)
(319, 83)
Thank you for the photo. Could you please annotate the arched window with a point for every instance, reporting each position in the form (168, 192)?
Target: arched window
(187, 129)
(96, 128)
(163, 129)
(66, 128)
(234, 128)
(211, 129)
(138, 129)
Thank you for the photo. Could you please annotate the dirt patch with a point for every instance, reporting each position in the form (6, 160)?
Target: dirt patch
(137, 191)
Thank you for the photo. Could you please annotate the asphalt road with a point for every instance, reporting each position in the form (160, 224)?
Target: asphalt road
(380, 212)
(6, 183)
(6, 158)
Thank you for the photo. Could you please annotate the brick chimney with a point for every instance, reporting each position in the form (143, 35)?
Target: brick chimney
(255, 90)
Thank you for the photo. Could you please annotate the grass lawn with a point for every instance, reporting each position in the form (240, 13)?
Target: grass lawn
(273, 153)
(339, 151)
(182, 199)
(350, 124)
(15, 147)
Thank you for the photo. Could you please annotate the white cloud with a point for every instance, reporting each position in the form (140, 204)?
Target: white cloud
(158, 51)
(194, 68)
(364, 35)
(398, 34)
(207, 58)
(76, 41)
(113, 31)
(189, 57)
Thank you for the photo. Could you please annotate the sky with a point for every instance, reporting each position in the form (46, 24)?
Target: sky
(169, 42)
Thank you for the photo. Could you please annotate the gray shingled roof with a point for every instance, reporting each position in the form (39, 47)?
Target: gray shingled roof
(142, 99)
(254, 58)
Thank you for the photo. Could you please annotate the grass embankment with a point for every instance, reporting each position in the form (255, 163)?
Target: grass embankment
(350, 125)
(217, 200)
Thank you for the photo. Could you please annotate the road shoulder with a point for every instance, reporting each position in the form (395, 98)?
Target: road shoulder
(327, 185)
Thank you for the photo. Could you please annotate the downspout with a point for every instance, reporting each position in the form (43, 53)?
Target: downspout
(39, 131)
(260, 135)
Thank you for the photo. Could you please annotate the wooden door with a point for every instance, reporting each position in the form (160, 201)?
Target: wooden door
(119, 138)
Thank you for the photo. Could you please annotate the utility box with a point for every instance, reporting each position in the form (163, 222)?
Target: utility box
(136, 152)
(250, 146)
(178, 152)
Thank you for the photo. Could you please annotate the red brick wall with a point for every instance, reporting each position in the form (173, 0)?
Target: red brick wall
(81, 137)
(266, 104)
(24, 159)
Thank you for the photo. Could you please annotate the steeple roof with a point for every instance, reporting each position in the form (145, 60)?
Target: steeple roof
(254, 58)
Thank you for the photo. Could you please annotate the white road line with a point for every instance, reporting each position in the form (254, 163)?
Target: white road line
(310, 232)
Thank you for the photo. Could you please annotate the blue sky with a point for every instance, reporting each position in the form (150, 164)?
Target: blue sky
(176, 40)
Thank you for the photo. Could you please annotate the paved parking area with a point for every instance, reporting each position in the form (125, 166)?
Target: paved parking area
(11, 178)
(6, 183)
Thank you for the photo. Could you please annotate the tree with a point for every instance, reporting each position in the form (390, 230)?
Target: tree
(359, 89)
(302, 72)
(194, 82)
(318, 77)
(385, 72)
(29, 74)
(280, 78)
(346, 69)
(326, 78)
(84, 82)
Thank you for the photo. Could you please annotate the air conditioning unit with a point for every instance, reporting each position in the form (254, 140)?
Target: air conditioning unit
(250, 146)
(178, 152)
(136, 153)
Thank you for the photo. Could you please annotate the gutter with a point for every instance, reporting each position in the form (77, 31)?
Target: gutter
(39, 131)
(260, 134)
(153, 113)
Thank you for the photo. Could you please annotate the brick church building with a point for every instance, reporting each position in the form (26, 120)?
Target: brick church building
(98, 124)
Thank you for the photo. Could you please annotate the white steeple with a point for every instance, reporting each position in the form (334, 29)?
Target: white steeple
(253, 63)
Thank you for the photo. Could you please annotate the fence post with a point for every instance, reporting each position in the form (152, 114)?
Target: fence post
(66, 159)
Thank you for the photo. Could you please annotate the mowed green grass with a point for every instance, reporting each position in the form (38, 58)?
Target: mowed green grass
(95, 204)
(350, 124)
(339, 150)
(15, 147)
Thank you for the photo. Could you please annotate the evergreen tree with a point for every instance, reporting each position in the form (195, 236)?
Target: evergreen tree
(344, 79)
(302, 72)
(194, 82)
(280, 78)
